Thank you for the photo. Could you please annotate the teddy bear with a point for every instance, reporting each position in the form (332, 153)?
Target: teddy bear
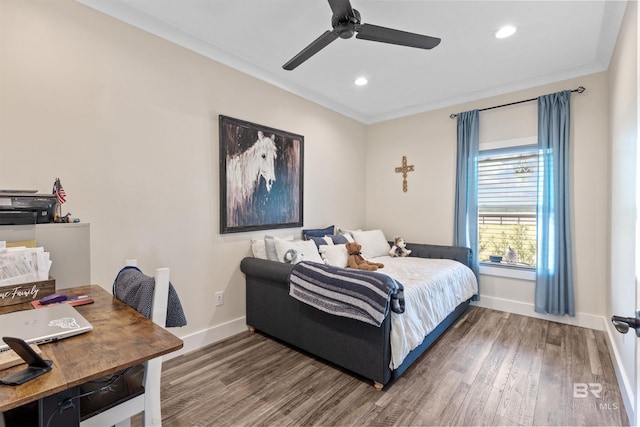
(292, 256)
(399, 247)
(357, 261)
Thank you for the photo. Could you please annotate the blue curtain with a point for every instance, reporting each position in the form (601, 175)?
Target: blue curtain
(554, 281)
(465, 232)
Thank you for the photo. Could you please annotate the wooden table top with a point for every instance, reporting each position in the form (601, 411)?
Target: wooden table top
(121, 337)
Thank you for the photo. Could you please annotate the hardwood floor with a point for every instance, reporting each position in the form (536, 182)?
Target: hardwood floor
(490, 368)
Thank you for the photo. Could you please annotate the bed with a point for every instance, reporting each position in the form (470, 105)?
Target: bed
(356, 346)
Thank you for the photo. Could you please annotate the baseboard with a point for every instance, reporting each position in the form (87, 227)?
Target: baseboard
(208, 336)
(583, 320)
(217, 333)
(624, 382)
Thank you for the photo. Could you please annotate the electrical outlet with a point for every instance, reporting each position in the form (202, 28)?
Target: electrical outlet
(219, 298)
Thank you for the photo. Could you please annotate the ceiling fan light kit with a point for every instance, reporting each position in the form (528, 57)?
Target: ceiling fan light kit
(346, 22)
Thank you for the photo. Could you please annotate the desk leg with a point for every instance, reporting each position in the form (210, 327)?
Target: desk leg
(50, 414)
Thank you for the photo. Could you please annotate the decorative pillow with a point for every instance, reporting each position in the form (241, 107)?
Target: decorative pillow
(307, 248)
(338, 240)
(258, 248)
(373, 242)
(319, 241)
(335, 255)
(270, 246)
(348, 234)
(317, 232)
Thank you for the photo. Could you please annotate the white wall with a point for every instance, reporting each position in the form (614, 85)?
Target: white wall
(621, 281)
(129, 122)
(425, 212)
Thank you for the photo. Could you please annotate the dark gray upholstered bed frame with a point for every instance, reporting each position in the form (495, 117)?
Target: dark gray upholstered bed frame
(356, 346)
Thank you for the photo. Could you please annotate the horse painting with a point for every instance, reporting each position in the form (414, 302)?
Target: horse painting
(245, 172)
(261, 177)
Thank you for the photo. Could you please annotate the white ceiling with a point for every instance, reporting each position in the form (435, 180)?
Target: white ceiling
(556, 40)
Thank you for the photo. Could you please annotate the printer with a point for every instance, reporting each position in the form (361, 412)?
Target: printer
(19, 207)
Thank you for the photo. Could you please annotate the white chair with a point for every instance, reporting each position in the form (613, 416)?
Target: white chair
(149, 402)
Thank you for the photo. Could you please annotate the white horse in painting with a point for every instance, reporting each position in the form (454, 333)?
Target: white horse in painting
(245, 170)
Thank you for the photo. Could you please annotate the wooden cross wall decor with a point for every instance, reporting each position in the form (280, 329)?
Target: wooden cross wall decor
(404, 169)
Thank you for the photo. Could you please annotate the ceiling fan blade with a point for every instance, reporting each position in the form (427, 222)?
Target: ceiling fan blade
(313, 48)
(388, 35)
(341, 8)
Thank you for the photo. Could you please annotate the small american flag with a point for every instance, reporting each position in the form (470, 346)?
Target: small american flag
(59, 191)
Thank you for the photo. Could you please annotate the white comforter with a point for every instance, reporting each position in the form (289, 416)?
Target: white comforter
(432, 289)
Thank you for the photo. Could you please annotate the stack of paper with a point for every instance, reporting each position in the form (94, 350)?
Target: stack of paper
(23, 265)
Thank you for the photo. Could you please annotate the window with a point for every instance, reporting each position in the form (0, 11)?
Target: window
(507, 200)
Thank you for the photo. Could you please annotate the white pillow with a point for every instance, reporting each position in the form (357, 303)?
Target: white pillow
(307, 248)
(335, 255)
(258, 248)
(374, 243)
(270, 246)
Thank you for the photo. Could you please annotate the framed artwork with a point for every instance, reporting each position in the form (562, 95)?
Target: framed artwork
(261, 177)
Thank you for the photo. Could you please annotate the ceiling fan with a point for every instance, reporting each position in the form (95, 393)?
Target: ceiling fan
(346, 22)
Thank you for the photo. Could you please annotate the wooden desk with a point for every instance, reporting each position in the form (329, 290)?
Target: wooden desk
(121, 337)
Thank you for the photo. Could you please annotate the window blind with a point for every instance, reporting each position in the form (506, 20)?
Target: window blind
(507, 199)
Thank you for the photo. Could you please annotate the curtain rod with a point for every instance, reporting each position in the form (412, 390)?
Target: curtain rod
(580, 89)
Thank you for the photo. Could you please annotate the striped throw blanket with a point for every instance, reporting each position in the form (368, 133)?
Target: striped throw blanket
(358, 294)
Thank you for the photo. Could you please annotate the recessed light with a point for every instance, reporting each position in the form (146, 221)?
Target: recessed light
(361, 81)
(505, 31)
